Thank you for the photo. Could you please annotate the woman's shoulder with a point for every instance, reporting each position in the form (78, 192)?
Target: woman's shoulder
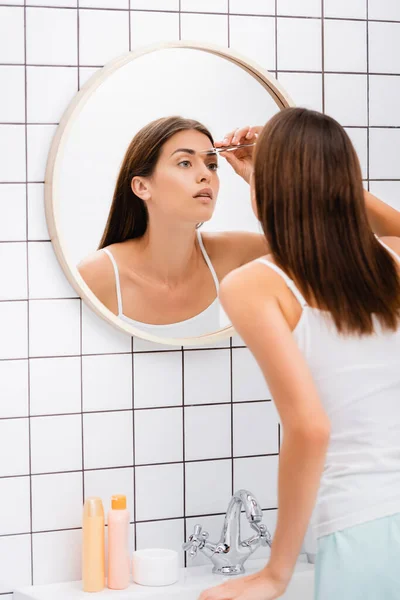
(393, 242)
(240, 247)
(97, 271)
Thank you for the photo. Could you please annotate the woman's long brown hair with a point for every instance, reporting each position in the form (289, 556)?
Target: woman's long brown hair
(128, 216)
(310, 202)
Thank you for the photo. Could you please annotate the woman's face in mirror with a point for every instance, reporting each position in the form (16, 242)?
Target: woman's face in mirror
(185, 183)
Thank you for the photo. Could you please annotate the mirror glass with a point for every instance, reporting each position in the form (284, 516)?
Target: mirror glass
(149, 256)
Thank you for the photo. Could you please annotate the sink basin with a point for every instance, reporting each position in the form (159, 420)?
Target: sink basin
(192, 581)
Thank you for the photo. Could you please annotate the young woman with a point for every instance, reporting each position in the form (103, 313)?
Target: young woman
(154, 267)
(321, 314)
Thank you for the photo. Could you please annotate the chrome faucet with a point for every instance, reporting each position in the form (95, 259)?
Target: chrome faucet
(230, 553)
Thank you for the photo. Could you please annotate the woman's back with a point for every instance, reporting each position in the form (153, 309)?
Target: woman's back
(358, 380)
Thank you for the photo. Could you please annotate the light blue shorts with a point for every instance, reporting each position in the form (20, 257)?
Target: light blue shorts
(360, 563)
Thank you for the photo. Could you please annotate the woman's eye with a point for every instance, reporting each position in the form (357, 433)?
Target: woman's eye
(184, 162)
(213, 166)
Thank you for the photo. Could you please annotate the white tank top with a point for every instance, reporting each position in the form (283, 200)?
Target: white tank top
(358, 380)
(209, 320)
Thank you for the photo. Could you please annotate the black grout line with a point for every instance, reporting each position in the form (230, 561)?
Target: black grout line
(27, 304)
(81, 388)
(323, 53)
(183, 453)
(276, 38)
(232, 417)
(368, 102)
(133, 444)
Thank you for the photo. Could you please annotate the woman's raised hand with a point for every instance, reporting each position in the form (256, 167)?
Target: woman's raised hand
(241, 160)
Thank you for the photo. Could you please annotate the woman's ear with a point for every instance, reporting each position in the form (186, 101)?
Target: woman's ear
(141, 188)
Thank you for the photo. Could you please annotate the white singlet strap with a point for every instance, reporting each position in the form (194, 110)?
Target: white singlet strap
(117, 282)
(289, 282)
(208, 261)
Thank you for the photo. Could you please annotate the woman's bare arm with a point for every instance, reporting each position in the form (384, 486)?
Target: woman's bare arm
(384, 219)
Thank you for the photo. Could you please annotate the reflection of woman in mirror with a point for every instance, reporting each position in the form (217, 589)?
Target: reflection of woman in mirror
(321, 314)
(154, 266)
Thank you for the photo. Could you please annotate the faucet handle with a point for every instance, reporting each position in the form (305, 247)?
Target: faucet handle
(196, 541)
(262, 530)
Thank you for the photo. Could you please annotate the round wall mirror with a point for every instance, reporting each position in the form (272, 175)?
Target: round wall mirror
(145, 216)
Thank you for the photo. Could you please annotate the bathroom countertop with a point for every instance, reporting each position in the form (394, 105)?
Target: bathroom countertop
(192, 580)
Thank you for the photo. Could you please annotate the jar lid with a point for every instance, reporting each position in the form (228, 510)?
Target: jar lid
(118, 502)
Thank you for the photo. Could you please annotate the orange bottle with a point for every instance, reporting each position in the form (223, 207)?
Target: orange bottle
(118, 546)
(93, 570)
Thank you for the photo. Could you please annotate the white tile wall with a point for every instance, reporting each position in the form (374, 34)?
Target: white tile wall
(176, 430)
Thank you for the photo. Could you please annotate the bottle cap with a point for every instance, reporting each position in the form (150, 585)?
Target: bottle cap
(118, 502)
(93, 507)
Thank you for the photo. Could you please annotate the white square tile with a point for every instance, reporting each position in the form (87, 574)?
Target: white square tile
(163, 390)
(252, 7)
(388, 10)
(260, 476)
(141, 345)
(121, 4)
(51, 36)
(294, 8)
(384, 94)
(14, 505)
(305, 89)
(56, 501)
(216, 421)
(108, 439)
(248, 380)
(148, 28)
(384, 156)
(159, 492)
(85, 73)
(103, 35)
(161, 534)
(13, 388)
(208, 486)
(348, 108)
(11, 35)
(215, 369)
(54, 328)
(14, 2)
(14, 447)
(387, 191)
(107, 382)
(254, 37)
(46, 278)
(55, 385)
(49, 91)
(98, 337)
(12, 103)
(12, 153)
(14, 329)
(345, 46)
(356, 9)
(204, 6)
(224, 343)
(39, 138)
(57, 556)
(56, 444)
(158, 436)
(54, 3)
(384, 47)
(210, 524)
(358, 137)
(155, 4)
(13, 271)
(261, 419)
(37, 226)
(15, 560)
(12, 212)
(105, 483)
(299, 45)
(237, 341)
(205, 28)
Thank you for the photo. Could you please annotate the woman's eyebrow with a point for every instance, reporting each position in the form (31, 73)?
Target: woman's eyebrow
(193, 152)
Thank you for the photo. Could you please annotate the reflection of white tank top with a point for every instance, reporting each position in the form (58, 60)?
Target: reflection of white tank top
(358, 380)
(212, 319)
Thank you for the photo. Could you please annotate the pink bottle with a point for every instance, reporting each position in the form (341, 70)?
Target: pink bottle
(118, 546)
